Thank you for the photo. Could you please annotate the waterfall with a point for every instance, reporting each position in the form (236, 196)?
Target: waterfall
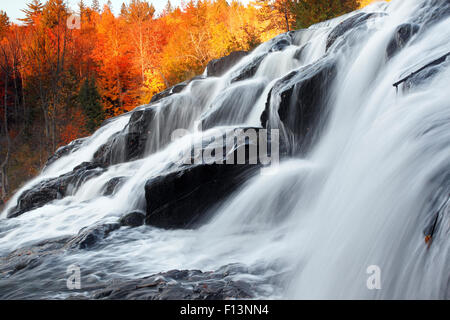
(365, 169)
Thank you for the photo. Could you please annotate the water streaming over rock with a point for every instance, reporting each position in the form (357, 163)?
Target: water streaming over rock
(364, 174)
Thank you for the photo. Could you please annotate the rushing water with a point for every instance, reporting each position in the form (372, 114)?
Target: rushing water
(359, 197)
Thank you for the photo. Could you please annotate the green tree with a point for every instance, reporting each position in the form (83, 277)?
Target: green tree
(308, 12)
(90, 101)
(4, 23)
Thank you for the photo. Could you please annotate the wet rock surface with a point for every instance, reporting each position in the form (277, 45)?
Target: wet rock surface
(424, 74)
(182, 285)
(182, 198)
(179, 199)
(28, 258)
(218, 67)
(55, 188)
(44, 259)
(179, 87)
(113, 185)
(348, 24)
(234, 105)
(65, 150)
(90, 236)
(130, 143)
(133, 219)
(296, 103)
(403, 33)
(248, 70)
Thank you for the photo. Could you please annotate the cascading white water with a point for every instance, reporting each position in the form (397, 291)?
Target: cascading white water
(357, 199)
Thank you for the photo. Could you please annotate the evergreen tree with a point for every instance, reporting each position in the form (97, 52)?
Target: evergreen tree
(90, 102)
(123, 10)
(55, 13)
(109, 5)
(81, 7)
(34, 10)
(168, 8)
(4, 22)
(95, 5)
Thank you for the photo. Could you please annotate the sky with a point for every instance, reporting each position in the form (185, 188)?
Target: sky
(13, 7)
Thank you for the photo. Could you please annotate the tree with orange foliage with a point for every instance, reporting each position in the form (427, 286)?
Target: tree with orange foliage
(117, 73)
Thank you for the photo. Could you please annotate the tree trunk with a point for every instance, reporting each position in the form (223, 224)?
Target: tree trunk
(4, 164)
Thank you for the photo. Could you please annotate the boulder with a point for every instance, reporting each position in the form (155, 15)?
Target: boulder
(29, 257)
(64, 150)
(218, 67)
(297, 102)
(130, 143)
(179, 199)
(89, 237)
(174, 89)
(280, 44)
(180, 284)
(133, 219)
(182, 198)
(350, 23)
(112, 185)
(168, 92)
(248, 70)
(233, 105)
(403, 33)
(55, 188)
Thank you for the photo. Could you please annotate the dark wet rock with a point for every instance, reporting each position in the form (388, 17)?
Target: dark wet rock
(39, 195)
(234, 105)
(168, 92)
(218, 67)
(280, 45)
(133, 219)
(90, 236)
(352, 22)
(55, 188)
(403, 33)
(249, 69)
(65, 150)
(174, 89)
(30, 257)
(432, 12)
(179, 285)
(111, 152)
(300, 99)
(138, 133)
(298, 55)
(424, 74)
(113, 185)
(130, 143)
(181, 199)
